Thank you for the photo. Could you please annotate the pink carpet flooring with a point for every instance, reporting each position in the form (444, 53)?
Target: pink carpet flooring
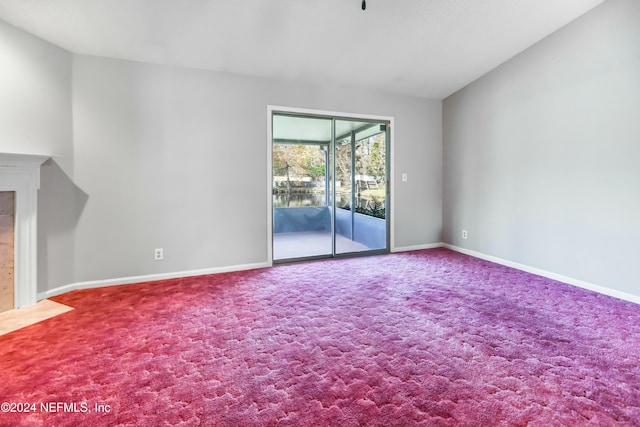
(425, 338)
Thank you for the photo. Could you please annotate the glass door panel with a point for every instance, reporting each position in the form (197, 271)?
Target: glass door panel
(343, 218)
(302, 216)
(361, 171)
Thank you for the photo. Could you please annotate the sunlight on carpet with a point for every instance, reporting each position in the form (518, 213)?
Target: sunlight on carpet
(424, 338)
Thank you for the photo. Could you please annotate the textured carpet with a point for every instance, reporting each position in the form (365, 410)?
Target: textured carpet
(425, 338)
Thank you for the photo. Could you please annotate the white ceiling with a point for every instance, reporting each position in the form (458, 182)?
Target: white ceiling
(428, 48)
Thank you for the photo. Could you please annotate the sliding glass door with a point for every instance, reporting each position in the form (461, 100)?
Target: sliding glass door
(330, 193)
(361, 186)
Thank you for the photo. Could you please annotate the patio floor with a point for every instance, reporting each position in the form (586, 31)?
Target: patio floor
(311, 243)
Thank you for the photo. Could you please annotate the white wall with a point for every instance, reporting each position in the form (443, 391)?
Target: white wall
(541, 155)
(177, 158)
(35, 94)
(35, 117)
(154, 156)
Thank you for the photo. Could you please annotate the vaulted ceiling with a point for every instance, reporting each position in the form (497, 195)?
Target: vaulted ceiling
(428, 48)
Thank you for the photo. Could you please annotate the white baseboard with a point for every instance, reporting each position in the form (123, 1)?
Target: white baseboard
(554, 276)
(163, 276)
(148, 278)
(417, 247)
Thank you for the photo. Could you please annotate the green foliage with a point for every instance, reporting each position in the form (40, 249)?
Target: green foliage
(317, 171)
(298, 161)
(374, 207)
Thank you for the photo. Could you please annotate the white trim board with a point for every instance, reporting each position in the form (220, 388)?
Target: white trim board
(417, 247)
(148, 278)
(20, 173)
(549, 275)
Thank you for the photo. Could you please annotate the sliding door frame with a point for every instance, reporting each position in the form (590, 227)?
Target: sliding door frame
(335, 115)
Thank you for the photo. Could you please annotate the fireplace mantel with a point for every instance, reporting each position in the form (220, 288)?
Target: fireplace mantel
(21, 173)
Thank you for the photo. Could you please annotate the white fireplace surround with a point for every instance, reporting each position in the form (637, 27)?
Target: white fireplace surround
(21, 173)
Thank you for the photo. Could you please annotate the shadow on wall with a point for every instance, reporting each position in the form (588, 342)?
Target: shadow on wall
(60, 204)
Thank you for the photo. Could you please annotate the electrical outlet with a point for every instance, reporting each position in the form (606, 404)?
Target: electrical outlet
(405, 177)
(159, 254)
(464, 234)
